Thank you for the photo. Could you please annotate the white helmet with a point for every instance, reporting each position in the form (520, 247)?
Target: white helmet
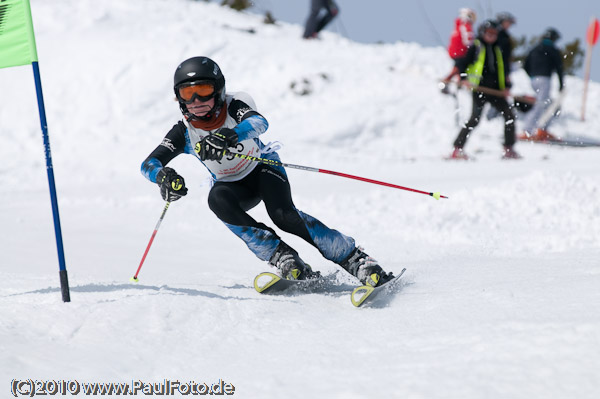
(467, 15)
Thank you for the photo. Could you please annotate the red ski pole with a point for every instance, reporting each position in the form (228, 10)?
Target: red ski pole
(135, 278)
(435, 195)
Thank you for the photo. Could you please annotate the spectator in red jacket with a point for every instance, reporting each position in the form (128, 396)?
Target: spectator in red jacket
(460, 40)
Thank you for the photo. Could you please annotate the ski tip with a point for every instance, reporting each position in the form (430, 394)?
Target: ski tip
(360, 294)
(134, 279)
(264, 281)
(363, 292)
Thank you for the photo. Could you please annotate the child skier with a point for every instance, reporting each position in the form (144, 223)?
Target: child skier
(215, 126)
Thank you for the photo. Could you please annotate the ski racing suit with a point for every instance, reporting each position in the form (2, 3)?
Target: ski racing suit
(240, 184)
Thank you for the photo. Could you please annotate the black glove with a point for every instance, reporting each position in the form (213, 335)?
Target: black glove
(213, 146)
(172, 186)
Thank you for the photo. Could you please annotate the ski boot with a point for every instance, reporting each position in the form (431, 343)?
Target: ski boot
(459, 154)
(290, 265)
(509, 153)
(543, 135)
(365, 268)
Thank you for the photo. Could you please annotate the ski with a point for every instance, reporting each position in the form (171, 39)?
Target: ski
(568, 141)
(271, 283)
(367, 294)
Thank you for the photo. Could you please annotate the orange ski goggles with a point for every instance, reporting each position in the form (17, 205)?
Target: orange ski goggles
(189, 92)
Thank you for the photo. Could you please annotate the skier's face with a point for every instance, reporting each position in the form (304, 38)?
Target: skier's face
(201, 108)
(490, 35)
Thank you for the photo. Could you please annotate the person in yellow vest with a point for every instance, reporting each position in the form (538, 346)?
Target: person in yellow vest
(486, 69)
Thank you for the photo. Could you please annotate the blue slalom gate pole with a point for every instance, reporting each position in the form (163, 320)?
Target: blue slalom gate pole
(64, 281)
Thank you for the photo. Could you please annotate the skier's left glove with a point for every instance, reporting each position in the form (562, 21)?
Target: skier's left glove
(213, 146)
(172, 186)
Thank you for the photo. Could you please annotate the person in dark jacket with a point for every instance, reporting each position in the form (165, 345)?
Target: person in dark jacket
(541, 62)
(317, 18)
(486, 68)
(505, 21)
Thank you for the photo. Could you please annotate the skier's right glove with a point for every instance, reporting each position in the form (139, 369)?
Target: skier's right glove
(172, 186)
(214, 146)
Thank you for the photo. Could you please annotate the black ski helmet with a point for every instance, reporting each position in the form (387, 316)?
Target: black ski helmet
(487, 24)
(551, 34)
(198, 69)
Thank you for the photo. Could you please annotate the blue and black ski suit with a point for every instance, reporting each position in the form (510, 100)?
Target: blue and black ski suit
(240, 184)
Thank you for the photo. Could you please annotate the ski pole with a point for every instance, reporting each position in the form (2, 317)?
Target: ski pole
(435, 195)
(135, 278)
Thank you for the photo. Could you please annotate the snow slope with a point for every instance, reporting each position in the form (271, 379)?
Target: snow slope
(500, 297)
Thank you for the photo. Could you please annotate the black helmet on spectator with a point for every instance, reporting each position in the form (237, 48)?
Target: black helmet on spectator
(486, 25)
(551, 34)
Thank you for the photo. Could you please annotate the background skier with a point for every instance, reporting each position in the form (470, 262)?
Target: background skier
(541, 62)
(322, 12)
(486, 67)
(505, 41)
(460, 40)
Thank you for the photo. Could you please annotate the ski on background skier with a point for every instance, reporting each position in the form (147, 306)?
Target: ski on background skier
(367, 294)
(568, 140)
